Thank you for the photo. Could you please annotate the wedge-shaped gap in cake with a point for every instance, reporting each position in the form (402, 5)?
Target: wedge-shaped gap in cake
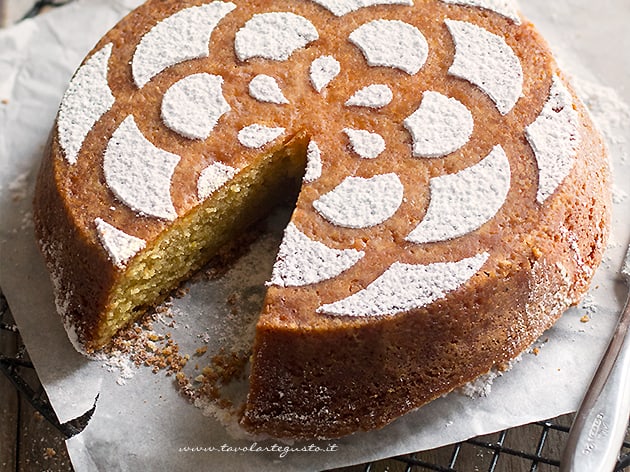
(231, 202)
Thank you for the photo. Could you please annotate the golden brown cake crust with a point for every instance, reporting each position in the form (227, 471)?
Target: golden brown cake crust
(392, 365)
(317, 375)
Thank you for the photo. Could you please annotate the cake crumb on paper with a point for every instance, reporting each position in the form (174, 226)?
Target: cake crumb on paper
(49, 453)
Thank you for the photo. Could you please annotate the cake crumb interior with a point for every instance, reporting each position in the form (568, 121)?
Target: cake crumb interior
(193, 239)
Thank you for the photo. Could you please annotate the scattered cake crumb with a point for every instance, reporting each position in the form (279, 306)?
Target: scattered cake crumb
(214, 385)
(140, 345)
(181, 292)
(201, 351)
(589, 305)
(49, 453)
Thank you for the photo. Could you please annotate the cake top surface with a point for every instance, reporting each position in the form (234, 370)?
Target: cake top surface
(418, 114)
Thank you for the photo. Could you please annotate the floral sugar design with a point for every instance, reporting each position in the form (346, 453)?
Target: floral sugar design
(414, 169)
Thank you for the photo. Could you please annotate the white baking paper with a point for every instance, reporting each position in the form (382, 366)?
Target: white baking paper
(140, 421)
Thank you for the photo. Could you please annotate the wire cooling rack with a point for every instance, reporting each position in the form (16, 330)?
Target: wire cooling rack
(539, 444)
(41, 4)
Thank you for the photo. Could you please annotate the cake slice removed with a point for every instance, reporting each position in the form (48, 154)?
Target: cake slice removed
(452, 193)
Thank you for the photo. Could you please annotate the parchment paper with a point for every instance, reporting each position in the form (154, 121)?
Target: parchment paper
(140, 421)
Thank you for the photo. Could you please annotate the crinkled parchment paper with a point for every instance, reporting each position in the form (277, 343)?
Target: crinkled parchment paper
(141, 422)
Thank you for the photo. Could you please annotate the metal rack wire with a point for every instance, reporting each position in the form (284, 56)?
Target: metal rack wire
(41, 4)
(14, 364)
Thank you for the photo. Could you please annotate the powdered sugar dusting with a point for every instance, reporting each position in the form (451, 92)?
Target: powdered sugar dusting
(573, 240)
(139, 173)
(71, 329)
(485, 60)
(322, 71)
(274, 36)
(546, 296)
(404, 287)
(358, 202)
(228, 418)
(212, 178)
(121, 364)
(440, 126)
(554, 138)
(62, 295)
(462, 202)
(506, 8)
(619, 195)
(366, 144)
(265, 88)
(256, 136)
(88, 97)
(372, 96)
(313, 162)
(302, 261)
(180, 37)
(482, 385)
(193, 105)
(392, 43)
(119, 245)
(607, 108)
(343, 7)
(18, 187)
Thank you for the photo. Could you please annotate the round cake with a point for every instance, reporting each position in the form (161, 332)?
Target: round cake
(451, 193)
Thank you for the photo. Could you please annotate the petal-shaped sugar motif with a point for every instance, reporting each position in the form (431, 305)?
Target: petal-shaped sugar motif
(265, 88)
(180, 37)
(392, 43)
(404, 287)
(313, 162)
(366, 144)
(139, 173)
(554, 137)
(212, 178)
(193, 105)
(343, 7)
(463, 202)
(256, 136)
(440, 126)
(361, 203)
(372, 96)
(322, 71)
(274, 36)
(119, 245)
(485, 60)
(88, 97)
(506, 8)
(302, 261)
